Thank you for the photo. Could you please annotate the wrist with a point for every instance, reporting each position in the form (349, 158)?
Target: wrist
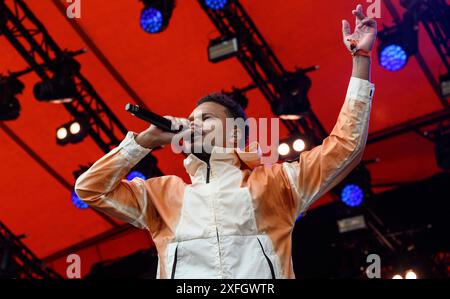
(362, 52)
(358, 59)
(361, 67)
(146, 140)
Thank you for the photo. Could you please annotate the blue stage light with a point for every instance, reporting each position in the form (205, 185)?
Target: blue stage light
(135, 174)
(352, 195)
(77, 202)
(151, 20)
(216, 4)
(393, 57)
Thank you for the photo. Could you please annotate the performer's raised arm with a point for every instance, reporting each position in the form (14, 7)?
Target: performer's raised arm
(320, 169)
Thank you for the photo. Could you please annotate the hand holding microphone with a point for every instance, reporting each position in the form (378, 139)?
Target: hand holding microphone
(160, 131)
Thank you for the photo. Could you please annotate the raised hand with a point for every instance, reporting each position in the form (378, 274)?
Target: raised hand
(364, 36)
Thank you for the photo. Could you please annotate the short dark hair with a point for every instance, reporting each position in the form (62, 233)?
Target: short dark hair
(234, 109)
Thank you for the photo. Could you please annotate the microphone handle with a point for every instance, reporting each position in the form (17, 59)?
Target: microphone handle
(151, 117)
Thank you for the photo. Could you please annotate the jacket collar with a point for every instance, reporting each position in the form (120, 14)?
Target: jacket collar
(250, 157)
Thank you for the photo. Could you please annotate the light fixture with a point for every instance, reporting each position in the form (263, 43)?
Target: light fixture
(293, 101)
(61, 133)
(291, 147)
(398, 43)
(61, 88)
(10, 87)
(156, 14)
(356, 187)
(299, 145)
(352, 223)
(78, 203)
(393, 57)
(135, 174)
(75, 128)
(72, 132)
(284, 149)
(397, 276)
(410, 274)
(222, 48)
(352, 195)
(216, 4)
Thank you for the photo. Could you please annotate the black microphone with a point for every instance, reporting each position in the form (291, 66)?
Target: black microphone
(151, 117)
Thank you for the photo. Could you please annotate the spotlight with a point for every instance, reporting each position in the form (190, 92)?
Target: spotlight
(9, 104)
(156, 14)
(222, 48)
(216, 4)
(135, 174)
(77, 202)
(284, 149)
(397, 276)
(61, 88)
(393, 57)
(299, 145)
(352, 195)
(410, 275)
(55, 90)
(398, 43)
(61, 133)
(291, 147)
(72, 132)
(293, 101)
(356, 187)
(75, 128)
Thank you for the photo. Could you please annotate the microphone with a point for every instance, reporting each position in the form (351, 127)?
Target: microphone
(151, 117)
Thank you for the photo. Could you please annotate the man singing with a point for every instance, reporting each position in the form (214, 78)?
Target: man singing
(236, 217)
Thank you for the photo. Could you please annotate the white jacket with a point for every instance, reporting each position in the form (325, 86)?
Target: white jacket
(236, 217)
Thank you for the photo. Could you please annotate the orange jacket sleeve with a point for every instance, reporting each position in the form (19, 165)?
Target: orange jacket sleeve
(320, 169)
(103, 186)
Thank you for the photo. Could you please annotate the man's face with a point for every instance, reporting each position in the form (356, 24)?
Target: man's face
(208, 128)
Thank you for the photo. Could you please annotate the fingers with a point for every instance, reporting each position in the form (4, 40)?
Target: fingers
(181, 123)
(358, 13)
(369, 22)
(346, 31)
(185, 123)
(177, 122)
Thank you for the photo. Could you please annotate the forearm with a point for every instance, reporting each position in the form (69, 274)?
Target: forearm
(326, 165)
(103, 177)
(361, 67)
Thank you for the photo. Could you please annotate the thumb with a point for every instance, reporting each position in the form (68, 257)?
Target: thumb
(345, 28)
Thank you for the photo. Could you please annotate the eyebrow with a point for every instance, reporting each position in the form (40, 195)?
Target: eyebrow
(203, 114)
